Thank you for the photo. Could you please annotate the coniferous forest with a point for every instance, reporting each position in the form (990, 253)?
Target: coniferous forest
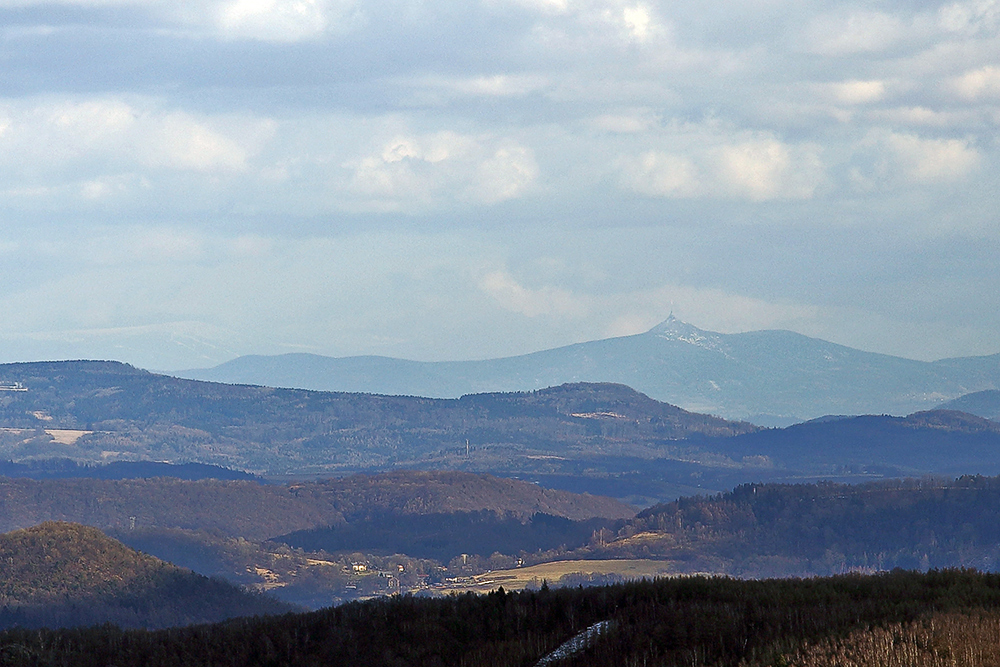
(900, 617)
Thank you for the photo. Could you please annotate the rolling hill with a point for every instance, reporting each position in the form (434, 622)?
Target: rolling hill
(770, 377)
(761, 530)
(941, 442)
(61, 574)
(603, 439)
(222, 528)
(105, 411)
(982, 403)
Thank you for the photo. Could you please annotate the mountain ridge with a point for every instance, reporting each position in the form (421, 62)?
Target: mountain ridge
(736, 376)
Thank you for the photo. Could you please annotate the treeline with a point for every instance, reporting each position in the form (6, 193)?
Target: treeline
(443, 536)
(689, 621)
(57, 468)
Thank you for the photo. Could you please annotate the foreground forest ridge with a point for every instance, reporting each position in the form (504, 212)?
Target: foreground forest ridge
(899, 618)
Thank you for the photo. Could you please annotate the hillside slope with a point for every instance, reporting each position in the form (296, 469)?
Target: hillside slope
(738, 376)
(63, 574)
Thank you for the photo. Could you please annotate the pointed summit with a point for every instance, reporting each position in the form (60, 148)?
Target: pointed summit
(675, 329)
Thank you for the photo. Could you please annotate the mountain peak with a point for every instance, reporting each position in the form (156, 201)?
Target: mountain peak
(673, 325)
(675, 329)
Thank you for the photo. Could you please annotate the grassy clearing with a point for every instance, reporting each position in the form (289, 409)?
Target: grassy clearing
(523, 577)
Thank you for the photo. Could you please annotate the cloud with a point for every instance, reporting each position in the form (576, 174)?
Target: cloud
(969, 17)
(497, 85)
(921, 116)
(109, 131)
(933, 160)
(549, 7)
(639, 120)
(279, 20)
(856, 32)
(857, 92)
(662, 175)
(639, 21)
(544, 301)
(412, 172)
(763, 169)
(978, 83)
(753, 166)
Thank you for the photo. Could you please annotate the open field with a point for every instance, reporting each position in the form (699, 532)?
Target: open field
(522, 577)
(63, 436)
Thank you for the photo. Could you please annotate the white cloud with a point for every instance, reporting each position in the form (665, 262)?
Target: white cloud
(104, 130)
(542, 6)
(506, 174)
(633, 122)
(760, 170)
(754, 166)
(638, 21)
(499, 85)
(856, 32)
(933, 160)
(977, 83)
(856, 92)
(279, 20)
(257, 20)
(412, 172)
(544, 301)
(662, 174)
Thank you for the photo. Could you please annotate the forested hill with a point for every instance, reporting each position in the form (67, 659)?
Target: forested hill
(93, 411)
(807, 529)
(64, 574)
(260, 511)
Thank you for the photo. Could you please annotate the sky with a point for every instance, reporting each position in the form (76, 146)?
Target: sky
(183, 182)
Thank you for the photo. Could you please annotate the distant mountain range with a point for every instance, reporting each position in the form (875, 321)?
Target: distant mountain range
(772, 378)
